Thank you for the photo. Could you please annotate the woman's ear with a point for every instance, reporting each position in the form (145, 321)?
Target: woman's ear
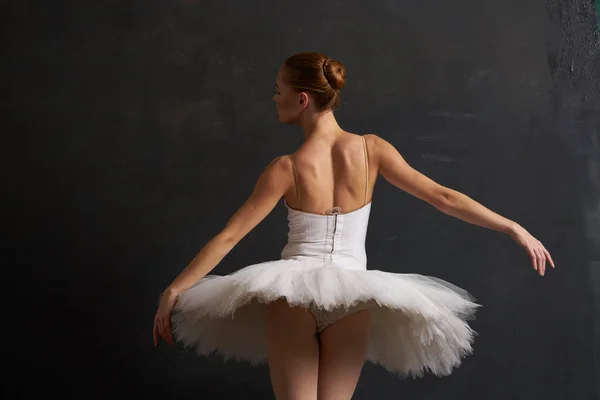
(303, 99)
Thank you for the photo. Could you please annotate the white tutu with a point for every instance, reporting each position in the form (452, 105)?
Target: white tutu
(418, 322)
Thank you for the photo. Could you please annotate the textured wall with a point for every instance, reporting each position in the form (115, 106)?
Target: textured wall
(121, 121)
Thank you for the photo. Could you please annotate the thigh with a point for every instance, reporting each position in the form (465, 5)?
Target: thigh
(292, 351)
(343, 349)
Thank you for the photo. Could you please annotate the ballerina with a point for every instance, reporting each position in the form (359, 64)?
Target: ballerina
(317, 314)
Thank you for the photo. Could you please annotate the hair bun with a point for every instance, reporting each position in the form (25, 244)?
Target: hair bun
(318, 75)
(335, 73)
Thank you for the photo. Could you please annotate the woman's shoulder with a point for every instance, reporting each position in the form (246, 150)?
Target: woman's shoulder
(281, 163)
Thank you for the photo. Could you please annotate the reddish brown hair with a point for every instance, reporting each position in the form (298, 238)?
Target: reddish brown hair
(317, 74)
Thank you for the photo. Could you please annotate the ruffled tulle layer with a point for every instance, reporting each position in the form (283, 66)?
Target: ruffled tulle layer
(418, 322)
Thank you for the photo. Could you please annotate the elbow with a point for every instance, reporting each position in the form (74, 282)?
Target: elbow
(226, 240)
(444, 200)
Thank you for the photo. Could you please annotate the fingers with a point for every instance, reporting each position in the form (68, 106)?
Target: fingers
(164, 329)
(548, 256)
(159, 326)
(541, 261)
(536, 260)
(532, 258)
(168, 330)
(538, 255)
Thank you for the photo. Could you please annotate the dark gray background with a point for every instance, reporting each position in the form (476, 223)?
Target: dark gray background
(133, 131)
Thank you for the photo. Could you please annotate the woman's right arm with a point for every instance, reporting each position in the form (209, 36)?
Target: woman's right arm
(396, 170)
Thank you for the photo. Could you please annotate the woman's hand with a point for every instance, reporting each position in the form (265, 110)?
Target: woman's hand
(534, 248)
(162, 320)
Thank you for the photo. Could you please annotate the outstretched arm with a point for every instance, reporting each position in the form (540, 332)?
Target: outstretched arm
(270, 187)
(396, 170)
(272, 184)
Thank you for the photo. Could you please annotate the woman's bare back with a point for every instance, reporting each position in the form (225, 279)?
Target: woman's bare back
(332, 172)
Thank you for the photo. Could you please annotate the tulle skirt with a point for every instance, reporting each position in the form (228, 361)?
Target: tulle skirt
(418, 323)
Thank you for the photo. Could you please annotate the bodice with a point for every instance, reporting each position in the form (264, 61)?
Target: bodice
(335, 236)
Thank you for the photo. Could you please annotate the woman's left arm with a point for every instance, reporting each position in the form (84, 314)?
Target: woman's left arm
(270, 187)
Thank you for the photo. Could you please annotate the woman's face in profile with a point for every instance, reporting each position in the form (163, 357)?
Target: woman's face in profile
(287, 100)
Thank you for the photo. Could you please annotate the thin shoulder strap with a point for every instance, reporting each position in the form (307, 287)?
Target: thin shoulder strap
(366, 167)
(296, 181)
